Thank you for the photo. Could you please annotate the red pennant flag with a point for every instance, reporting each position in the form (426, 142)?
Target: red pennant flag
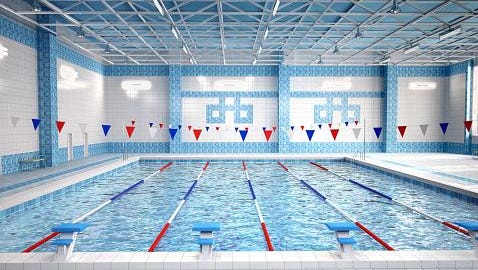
(267, 133)
(197, 133)
(59, 125)
(334, 132)
(133, 122)
(302, 127)
(246, 128)
(468, 125)
(217, 128)
(130, 130)
(402, 130)
(330, 125)
(161, 125)
(356, 122)
(189, 127)
(274, 128)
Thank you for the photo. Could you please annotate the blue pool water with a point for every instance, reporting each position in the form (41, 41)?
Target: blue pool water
(294, 215)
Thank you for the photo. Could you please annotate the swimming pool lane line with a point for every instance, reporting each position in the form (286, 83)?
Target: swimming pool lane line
(447, 224)
(176, 211)
(338, 209)
(267, 237)
(99, 207)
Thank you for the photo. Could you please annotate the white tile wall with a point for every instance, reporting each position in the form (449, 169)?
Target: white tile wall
(336, 84)
(18, 97)
(474, 104)
(80, 101)
(419, 107)
(142, 106)
(456, 108)
(228, 83)
(194, 114)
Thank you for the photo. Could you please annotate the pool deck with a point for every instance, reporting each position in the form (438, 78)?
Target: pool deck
(244, 260)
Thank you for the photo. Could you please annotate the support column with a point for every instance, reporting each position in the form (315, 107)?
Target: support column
(284, 104)
(175, 106)
(391, 104)
(469, 105)
(47, 93)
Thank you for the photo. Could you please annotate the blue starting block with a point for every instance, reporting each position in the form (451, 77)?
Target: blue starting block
(342, 233)
(472, 227)
(205, 239)
(67, 239)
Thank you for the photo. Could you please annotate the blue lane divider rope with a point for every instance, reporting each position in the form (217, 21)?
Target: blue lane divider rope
(370, 189)
(313, 190)
(117, 196)
(190, 190)
(251, 189)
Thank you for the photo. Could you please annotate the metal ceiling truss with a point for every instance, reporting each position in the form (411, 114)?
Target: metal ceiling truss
(302, 32)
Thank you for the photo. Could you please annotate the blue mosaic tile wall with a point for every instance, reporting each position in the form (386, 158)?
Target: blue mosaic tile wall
(18, 32)
(391, 101)
(356, 71)
(79, 59)
(137, 147)
(13, 163)
(175, 105)
(230, 147)
(284, 108)
(422, 71)
(334, 147)
(78, 151)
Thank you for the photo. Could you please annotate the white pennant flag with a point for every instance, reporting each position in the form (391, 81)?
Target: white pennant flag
(152, 132)
(14, 120)
(424, 129)
(356, 132)
(83, 127)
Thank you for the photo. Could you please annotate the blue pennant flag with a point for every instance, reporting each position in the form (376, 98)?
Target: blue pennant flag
(292, 128)
(263, 128)
(378, 131)
(180, 126)
(236, 128)
(151, 124)
(444, 127)
(106, 129)
(310, 133)
(347, 124)
(35, 123)
(172, 132)
(243, 134)
(207, 128)
(320, 126)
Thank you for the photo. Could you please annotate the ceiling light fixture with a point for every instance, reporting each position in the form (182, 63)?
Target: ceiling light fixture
(358, 35)
(175, 32)
(336, 50)
(266, 33)
(158, 7)
(276, 7)
(395, 8)
(451, 32)
(260, 50)
(411, 49)
(80, 32)
(107, 49)
(385, 61)
(36, 6)
(254, 61)
(191, 60)
(185, 50)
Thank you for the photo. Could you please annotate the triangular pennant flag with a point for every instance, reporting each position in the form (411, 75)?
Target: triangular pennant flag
(217, 127)
(320, 126)
(197, 133)
(151, 124)
(378, 131)
(330, 125)
(35, 123)
(152, 132)
(334, 132)
(14, 120)
(161, 125)
(267, 133)
(263, 128)
(424, 129)
(356, 132)
(207, 129)
(179, 127)
(402, 130)
(189, 127)
(133, 122)
(130, 130)
(236, 128)
(106, 129)
(59, 125)
(310, 133)
(243, 134)
(347, 124)
(292, 128)
(246, 128)
(302, 127)
(172, 132)
(468, 124)
(356, 122)
(444, 127)
(83, 127)
(274, 128)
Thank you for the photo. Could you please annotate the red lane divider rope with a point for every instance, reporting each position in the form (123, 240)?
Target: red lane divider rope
(320, 166)
(205, 166)
(165, 166)
(267, 237)
(455, 227)
(41, 242)
(158, 238)
(244, 166)
(282, 165)
(374, 236)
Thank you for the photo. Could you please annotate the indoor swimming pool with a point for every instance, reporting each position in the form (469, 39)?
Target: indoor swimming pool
(292, 210)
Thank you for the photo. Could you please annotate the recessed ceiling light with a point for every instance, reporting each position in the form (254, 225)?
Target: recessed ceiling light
(36, 6)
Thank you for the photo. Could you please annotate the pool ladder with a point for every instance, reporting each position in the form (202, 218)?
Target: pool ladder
(358, 155)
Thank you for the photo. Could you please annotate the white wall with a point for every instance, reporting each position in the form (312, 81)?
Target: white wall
(80, 100)
(143, 106)
(474, 103)
(456, 108)
(18, 97)
(420, 106)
